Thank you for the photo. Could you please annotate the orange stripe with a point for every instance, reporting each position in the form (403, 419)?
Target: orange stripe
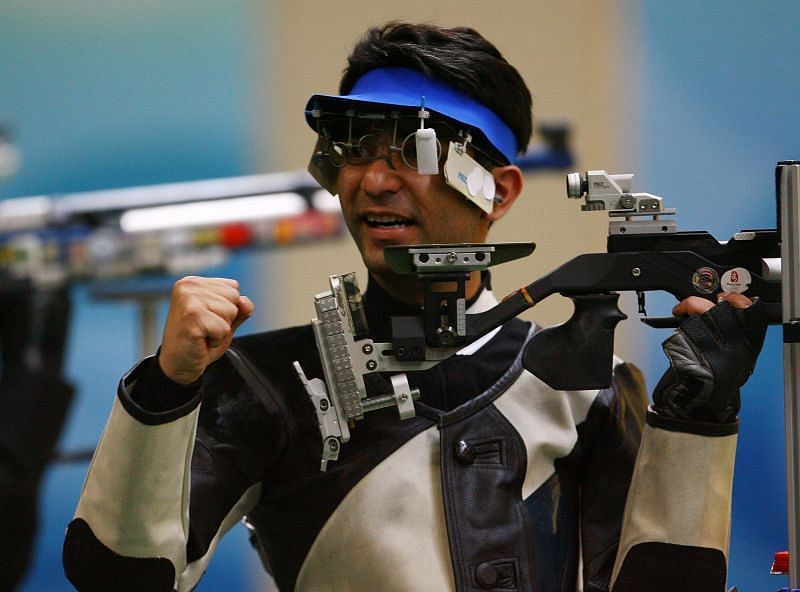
(527, 296)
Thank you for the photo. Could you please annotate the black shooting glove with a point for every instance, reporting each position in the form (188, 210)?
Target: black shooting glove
(711, 355)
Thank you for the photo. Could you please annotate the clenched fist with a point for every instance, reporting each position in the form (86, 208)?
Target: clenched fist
(203, 315)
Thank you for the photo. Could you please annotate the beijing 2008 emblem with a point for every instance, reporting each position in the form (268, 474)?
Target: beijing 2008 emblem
(705, 280)
(736, 280)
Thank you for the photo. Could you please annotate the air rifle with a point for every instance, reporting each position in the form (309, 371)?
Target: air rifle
(171, 228)
(645, 252)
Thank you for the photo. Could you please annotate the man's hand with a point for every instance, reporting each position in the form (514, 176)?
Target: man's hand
(711, 355)
(203, 315)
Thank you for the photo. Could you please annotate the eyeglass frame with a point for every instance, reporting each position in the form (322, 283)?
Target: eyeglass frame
(462, 137)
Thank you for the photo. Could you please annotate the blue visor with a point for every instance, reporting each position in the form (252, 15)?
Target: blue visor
(404, 87)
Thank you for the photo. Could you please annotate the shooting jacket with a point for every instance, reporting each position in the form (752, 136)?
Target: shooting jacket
(499, 483)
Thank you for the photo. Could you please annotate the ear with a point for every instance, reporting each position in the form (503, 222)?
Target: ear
(508, 183)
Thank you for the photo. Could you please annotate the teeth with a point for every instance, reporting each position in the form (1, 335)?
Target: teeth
(387, 220)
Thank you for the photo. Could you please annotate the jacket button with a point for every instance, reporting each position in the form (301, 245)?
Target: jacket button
(465, 454)
(487, 575)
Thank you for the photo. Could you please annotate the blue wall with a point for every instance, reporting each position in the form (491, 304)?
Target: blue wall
(110, 94)
(719, 86)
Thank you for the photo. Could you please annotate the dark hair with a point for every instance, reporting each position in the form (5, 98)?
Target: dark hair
(459, 56)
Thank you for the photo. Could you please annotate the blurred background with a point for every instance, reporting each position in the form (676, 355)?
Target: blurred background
(699, 99)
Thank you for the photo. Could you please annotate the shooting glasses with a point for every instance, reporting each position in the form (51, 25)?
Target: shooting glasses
(402, 116)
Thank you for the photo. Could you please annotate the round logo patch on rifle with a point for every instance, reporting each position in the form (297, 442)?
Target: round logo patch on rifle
(705, 280)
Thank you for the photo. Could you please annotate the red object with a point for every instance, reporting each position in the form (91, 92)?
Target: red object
(235, 236)
(780, 566)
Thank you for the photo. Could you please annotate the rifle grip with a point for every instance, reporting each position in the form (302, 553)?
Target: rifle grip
(577, 354)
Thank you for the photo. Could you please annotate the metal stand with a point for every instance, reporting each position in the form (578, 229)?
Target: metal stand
(147, 295)
(787, 176)
(149, 338)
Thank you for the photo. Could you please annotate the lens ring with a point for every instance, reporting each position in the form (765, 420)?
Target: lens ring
(368, 148)
(406, 158)
(340, 154)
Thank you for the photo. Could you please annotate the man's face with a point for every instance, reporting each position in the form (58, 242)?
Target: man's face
(387, 204)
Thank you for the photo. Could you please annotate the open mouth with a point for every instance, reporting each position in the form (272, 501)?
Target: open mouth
(387, 221)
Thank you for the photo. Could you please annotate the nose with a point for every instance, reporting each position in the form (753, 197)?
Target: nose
(381, 177)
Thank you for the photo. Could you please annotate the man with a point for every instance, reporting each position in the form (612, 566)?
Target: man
(500, 482)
